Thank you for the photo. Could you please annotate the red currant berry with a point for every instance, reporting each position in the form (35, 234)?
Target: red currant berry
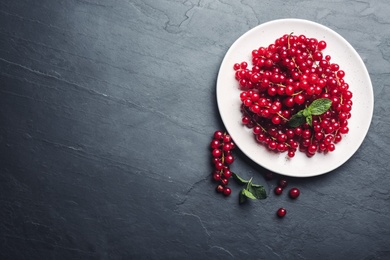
(229, 159)
(331, 147)
(216, 176)
(218, 135)
(224, 181)
(220, 188)
(226, 147)
(217, 153)
(244, 65)
(299, 99)
(227, 138)
(218, 165)
(294, 193)
(281, 212)
(227, 173)
(283, 183)
(215, 143)
(321, 45)
(227, 191)
(278, 190)
(291, 153)
(236, 66)
(269, 175)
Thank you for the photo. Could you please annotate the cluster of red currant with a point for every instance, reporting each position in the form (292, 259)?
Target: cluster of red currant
(285, 78)
(221, 146)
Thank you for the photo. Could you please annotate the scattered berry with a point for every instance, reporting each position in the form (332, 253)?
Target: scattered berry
(269, 175)
(281, 212)
(220, 188)
(278, 190)
(283, 183)
(294, 193)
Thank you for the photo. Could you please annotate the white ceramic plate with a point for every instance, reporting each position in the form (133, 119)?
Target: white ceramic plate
(356, 76)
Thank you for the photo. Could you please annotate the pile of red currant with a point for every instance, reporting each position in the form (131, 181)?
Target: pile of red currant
(285, 78)
(221, 146)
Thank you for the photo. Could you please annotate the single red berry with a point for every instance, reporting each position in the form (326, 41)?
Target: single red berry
(229, 159)
(216, 176)
(281, 212)
(227, 173)
(278, 190)
(215, 143)
(236, 66)
(227, 138)
(224, 181)
(226, 147)
(218, 165)
(244, 65)
(294, 193)
(283, 183)
(269, 175)
(218, 135)
(217, 153)
(220, 188)
(227, 191)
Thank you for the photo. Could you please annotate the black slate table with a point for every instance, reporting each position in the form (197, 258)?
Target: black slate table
(106, 113)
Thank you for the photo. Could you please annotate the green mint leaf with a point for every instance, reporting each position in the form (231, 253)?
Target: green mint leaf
(319, 106)
(309, 120)
(258, 191)
(248, 194)
(239, 179)
(297, 119)
(242, 197)
(306, 112)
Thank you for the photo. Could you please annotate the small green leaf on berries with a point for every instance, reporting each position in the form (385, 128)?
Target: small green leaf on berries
(309, 120)
(239, 179)
(297, 119)
(319, 106)
(306, 112)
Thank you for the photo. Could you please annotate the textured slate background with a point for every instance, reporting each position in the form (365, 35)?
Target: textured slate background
(106, 113)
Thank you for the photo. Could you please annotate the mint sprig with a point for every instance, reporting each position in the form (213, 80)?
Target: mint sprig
(251, 191)
(316, 108)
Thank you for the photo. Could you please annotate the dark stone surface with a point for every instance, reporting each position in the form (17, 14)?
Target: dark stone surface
(106, 113)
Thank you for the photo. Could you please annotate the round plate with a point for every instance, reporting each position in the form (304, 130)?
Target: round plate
(356, 76)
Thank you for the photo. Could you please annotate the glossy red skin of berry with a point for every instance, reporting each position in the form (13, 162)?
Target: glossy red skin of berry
(294, 193)
(220, 188)
(218, 135)
(226, 147)
(224, 181)
(281, 212)
(216, 176)
(229, 159)
(215, 144)
(227, 191)
(278, 190)
(283, 183)
(226, 138)
(217, 153)
(227, 174)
